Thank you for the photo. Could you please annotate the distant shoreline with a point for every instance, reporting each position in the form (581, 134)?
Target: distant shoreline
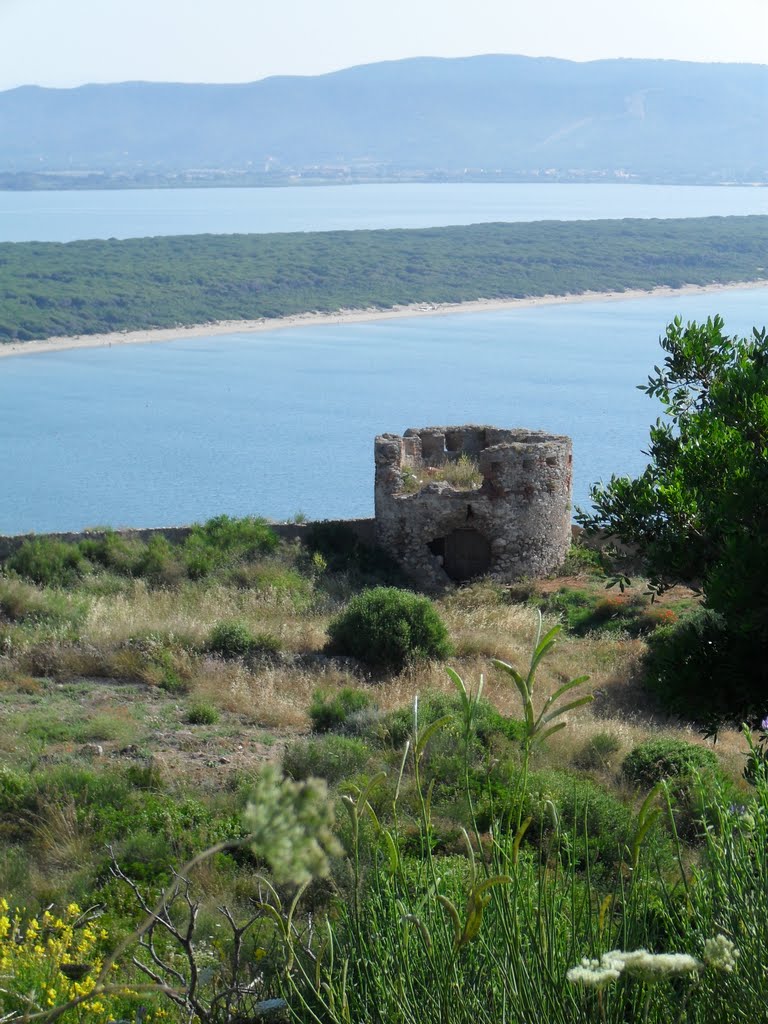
(349, 316)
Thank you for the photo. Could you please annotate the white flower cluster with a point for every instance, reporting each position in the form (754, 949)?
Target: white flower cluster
(594, 973)
(720, 953)
(647, 966)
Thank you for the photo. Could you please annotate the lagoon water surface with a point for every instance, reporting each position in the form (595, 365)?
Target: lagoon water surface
(62, 216)
(281, 422)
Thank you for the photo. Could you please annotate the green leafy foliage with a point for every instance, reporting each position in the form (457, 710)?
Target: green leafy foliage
(690, 773)
(388, 627)
(697, 512)
(395, 727)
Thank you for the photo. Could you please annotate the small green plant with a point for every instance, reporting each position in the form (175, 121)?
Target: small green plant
(331, 711)
(410, 481)
(389, 628)
(756, 767)
(202, 713)
(539, 727)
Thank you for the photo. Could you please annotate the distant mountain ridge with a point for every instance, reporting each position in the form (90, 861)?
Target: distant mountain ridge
(493, 114)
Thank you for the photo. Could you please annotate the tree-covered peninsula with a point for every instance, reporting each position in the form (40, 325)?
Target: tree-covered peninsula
(87, 287)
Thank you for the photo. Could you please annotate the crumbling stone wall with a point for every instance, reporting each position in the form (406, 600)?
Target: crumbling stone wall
(516, 523)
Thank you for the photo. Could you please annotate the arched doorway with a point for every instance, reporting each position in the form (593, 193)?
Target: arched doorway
(466, 554)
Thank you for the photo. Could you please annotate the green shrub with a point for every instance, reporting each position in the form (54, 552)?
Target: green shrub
(145, 775)
(654, 760)
(15, 788)
(331, 711)
(597, 752)
(48, 562)
(202, 713)
(699, 668)
(388, 627)
(330, 757)
(694, 777)
(222, 542)
(118, 554)
(159, 562)
(234, 639)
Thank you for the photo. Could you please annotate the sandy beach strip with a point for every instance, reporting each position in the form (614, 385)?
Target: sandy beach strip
(348, 316)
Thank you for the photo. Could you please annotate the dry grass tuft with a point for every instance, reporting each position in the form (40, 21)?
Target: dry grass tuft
(59, 836)
(268, 695)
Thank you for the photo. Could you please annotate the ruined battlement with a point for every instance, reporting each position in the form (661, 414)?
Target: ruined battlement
(513, 521)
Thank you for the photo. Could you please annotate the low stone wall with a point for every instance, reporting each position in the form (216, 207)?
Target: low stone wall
(363, 528)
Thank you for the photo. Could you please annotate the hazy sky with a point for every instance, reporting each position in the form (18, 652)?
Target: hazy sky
(69, 42)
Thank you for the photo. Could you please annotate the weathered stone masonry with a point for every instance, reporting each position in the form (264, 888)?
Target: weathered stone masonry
(517, 523)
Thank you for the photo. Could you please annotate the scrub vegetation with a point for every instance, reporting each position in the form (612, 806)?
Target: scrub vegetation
(486, 837)
(88, 287)
(250, 779)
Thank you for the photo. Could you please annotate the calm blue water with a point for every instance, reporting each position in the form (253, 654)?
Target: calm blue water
(64, 216)
(274, 423)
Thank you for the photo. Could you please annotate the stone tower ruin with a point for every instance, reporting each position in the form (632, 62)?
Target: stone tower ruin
(514, 522)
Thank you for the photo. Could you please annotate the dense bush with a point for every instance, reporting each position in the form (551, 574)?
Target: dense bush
(48, 561)
(698, 668)
(234, 639)
(697, 512)
(222, 541)
(388, 627)
(654, 760)
(693, 776)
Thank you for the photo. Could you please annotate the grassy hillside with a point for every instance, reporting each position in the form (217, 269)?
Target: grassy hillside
(89, 287)
(144, 688)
